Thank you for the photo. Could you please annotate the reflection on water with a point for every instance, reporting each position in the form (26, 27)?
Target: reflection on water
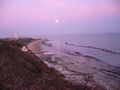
(110, 42)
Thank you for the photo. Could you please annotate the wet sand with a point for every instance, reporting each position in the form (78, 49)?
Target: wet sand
(23, 70)
(35, 46)
(78, 68)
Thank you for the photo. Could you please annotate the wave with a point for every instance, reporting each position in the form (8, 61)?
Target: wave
(91, 47)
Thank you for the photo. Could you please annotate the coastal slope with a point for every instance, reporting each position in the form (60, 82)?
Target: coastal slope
(23, 70)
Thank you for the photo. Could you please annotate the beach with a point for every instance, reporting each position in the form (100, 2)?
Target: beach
(78, 68)
(21, 69)
(35, 46)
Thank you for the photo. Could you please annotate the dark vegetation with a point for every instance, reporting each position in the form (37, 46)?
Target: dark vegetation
(25, 71)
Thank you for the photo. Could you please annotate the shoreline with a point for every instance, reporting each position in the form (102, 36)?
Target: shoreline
(35, 46)
(22, 69)
(91, 69)
(101, 49)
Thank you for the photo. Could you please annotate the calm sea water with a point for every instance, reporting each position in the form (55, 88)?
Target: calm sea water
(110, 42)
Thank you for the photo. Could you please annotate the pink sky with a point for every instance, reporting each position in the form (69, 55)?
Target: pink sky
(15, 13)
(40, 11)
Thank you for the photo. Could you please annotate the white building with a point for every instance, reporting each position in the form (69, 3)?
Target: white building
(17, 36)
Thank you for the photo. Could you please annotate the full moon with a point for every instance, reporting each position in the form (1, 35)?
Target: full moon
(56, 21)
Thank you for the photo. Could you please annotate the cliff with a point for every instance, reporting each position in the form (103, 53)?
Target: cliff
(23, 70)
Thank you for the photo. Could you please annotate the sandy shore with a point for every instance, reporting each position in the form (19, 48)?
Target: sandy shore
(35, 46)
(23, 70)
(78, 68)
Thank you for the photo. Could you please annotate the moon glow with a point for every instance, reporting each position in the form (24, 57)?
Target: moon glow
(56, 21)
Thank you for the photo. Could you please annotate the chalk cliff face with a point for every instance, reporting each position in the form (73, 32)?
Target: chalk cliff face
(21, 70)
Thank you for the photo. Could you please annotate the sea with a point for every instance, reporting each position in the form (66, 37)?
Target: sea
(103, 41)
